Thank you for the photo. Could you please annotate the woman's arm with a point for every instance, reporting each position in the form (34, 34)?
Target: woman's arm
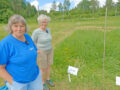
(38, 51)
(5, 75)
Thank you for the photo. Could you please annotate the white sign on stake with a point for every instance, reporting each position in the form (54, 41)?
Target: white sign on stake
(117, 80)
(72, 70)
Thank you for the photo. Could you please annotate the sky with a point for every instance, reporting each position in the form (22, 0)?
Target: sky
(46, 4)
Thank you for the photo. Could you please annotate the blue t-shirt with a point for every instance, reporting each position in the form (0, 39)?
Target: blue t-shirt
(20, 58)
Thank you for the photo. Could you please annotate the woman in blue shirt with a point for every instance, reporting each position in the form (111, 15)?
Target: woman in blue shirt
(18, 55)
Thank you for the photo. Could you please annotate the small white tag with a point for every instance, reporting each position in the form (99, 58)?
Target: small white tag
(117, 80)
(31, 48)
(72, 70)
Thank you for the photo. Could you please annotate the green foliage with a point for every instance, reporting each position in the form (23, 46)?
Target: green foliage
(118, 8)
(43, 12)
(54, 6)
(5, 10)
(10, 7)
(5, 15)
(84, 4)
(60, 6)
(85, 9)
(109, 4)
(66, 5)
(94, 6)
(84, 49)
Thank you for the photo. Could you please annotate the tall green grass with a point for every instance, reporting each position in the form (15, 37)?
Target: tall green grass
(84, 49)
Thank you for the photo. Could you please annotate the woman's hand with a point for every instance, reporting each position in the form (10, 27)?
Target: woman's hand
(5, 75)
(10, 81)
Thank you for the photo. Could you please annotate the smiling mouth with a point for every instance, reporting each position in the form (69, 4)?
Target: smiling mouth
(20, 32)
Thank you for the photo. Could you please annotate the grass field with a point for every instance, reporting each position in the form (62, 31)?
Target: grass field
(80, 44)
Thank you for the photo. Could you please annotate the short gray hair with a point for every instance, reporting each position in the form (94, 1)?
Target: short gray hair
(43, 17)
(16, 19)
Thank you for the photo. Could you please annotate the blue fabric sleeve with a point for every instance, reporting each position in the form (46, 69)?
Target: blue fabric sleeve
(3, 54)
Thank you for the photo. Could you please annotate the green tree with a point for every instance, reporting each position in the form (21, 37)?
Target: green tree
(118, 7)
(94, 5)
(109, 4)
(60, 6)
(54, 6)
(66, 5)
(84, 5)
(28, 10)
(10, 7)
(14, 5)
(5, 10)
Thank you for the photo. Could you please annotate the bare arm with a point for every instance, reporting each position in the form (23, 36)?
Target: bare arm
(5, 75)
(38, 51)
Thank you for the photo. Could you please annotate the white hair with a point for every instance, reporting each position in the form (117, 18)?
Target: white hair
(16, 19)
(43, 17)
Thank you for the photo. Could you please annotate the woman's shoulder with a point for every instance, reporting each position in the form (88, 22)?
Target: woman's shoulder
(48, 29)
(36, 30)
(27, 35)
(6, 40)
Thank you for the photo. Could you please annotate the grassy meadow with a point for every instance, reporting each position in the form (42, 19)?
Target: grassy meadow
(79, 43)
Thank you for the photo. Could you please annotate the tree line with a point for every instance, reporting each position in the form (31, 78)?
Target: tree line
(10, 7)
(86, 8)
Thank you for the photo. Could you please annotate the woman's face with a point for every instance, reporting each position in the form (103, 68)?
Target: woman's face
(44, 24)
(18, 29)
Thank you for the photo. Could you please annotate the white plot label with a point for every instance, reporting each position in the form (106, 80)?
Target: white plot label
(72, 70)
(117, 80)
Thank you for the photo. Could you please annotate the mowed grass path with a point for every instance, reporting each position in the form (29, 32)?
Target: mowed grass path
(80, 44)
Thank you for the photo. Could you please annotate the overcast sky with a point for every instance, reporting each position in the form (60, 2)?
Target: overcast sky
(46, 4)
